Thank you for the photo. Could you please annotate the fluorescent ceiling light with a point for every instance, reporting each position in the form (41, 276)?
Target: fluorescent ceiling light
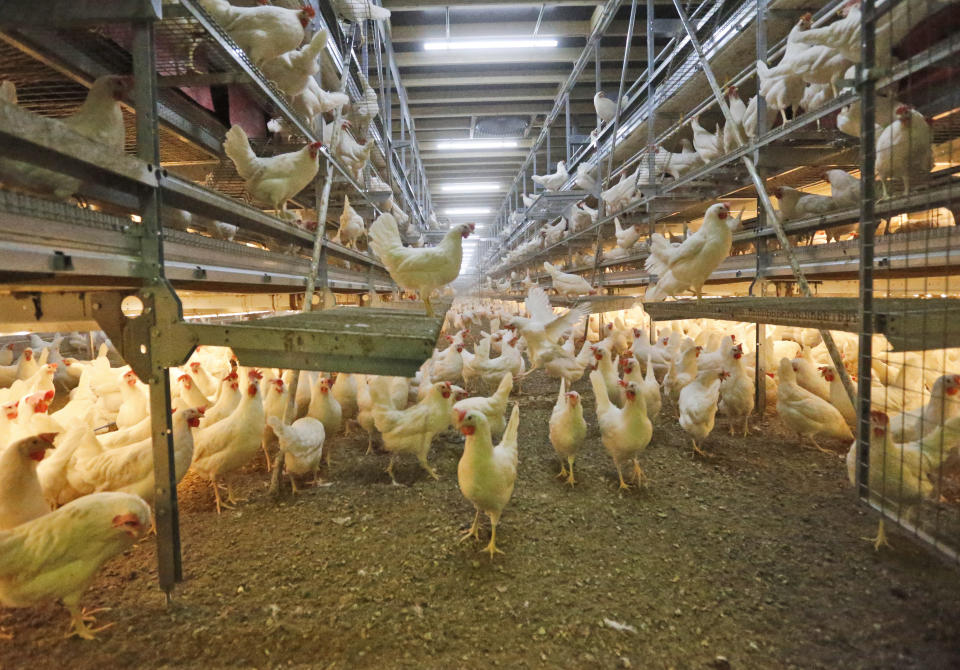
(497, 43)
(470, 188)
(453, 211)
(447, 145)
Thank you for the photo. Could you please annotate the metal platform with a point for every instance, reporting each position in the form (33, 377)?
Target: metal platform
(367, 340)
(909, 324)
(551, 204)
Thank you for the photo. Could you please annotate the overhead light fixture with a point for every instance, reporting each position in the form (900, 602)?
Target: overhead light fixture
(470, 188)
(497, 43)
(453, 211)
(460, 145)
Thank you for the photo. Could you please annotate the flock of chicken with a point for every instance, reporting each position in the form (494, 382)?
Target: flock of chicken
(806, 77)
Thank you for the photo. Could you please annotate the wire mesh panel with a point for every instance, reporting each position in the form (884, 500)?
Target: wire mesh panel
(909, 419)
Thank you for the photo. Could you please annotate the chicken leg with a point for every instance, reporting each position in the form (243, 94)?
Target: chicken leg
(623, 484)
(426, 303)
(639, 475)
(492, 547)
(881, 539)
(698, 450)
(570, 480)
(474, 531)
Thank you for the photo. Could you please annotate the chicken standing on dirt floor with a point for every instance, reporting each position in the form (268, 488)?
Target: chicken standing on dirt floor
(806, 413)
(698, 406)
(421, 270)
(21, 496)
(493, 408)
(325, 408)
(646, 381)
(345, 392)
(899, 474)
(411, 431)
(568, 284)
(448, 365)
(625, 432)
(487, 473)
(56, 556)
(99, 119)
(302, 445)
(230, 443)
(263, 31)
(904, 149)
(684, 266)
(943, 404)
(129, 468)
(736, 390)
(352, 227)
(568, 430)
(274, 179)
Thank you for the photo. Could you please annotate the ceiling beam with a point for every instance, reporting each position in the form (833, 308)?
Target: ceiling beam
(533, 56)
(438, 31)
(492, 92)
(490, 109)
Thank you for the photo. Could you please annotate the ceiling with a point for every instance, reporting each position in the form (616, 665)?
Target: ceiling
(451, 91)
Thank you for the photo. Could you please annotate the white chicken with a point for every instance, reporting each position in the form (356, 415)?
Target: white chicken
(737, 389)
(493, 408)
(806, 413)
(275, 179)
(357, 11)
(688, 265)
(302, 445)
(21, 495)
(734, 134)
(230, 443)
(421, 270)
(904, 149)
(56, 556)
(605, 107)
(99, 119)
(543, 328)
(942, 405)
(262, 31)
(568, 430)
(555, 181)
(796, 204)
(698, 406)
(625, 432)
(352, 226)
(293, 70)
(708, 145)
(567, 284)
(626, 238)
(487, 473)
(325, 408)
(647, 382)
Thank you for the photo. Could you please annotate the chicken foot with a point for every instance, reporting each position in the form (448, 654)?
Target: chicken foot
(623, 484)
(492, 547)
(698, 450)
(80, 617)
(639, 475)
(881, 539)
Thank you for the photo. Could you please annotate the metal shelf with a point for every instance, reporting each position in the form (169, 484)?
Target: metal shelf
(909, 324)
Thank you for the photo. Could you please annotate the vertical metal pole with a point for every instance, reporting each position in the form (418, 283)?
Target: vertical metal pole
(169, 567)
(567, 129)
(868, 101)
(760, 382)
(651, 109)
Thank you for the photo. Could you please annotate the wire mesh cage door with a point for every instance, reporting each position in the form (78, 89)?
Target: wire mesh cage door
(906, 462)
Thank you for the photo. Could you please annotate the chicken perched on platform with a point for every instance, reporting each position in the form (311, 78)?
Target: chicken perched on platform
(568, 284)
(904, 149)
(56, 556)
(293, 70)
(708, 145)
(357, 11)
(421, 270)
(625, 432)
(555, 181)
(262, 31)
(99, 119)
(796, 204)
(568, 429)
(688, 265)
(487, 473)
(275, 179)
(605, 107)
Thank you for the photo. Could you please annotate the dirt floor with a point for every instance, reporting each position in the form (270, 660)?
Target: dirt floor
(751, 559)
